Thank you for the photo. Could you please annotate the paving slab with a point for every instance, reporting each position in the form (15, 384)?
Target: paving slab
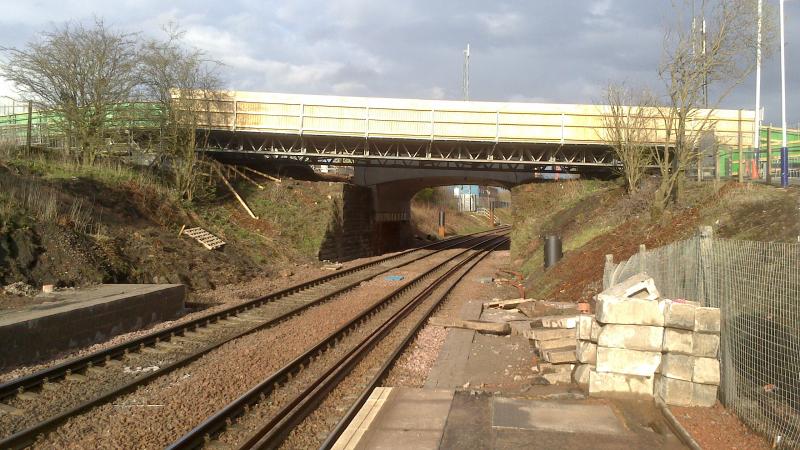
(555, 416)
(407, 418)
(429, 419)
(449, 371)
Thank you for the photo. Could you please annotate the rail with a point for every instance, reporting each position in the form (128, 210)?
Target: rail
(202, 433)
(153, 340)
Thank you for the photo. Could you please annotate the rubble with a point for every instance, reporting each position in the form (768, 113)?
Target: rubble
(617, 383)
(707, 320)
(680, 315)
(651, 346)
(678, 341)
(632, 337)
(585, 324)
(581, 374)
(547, 334)
(586, 352)
(20, 288)
(630, 311)
(627, 362)
(506, 304)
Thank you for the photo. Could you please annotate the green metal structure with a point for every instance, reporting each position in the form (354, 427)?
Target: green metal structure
(754, 166)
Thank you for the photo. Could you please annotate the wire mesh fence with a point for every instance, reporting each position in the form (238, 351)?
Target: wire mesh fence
(757, 287)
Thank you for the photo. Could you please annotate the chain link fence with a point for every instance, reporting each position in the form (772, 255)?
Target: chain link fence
(757, 287)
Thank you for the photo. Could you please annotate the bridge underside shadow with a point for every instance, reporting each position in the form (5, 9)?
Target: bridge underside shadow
(375, 215)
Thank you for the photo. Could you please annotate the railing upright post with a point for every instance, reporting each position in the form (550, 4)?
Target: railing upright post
(769, 155)
(29, 134)
(739, 145)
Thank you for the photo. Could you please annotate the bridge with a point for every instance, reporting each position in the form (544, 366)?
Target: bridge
(399, 146)
(363, 131)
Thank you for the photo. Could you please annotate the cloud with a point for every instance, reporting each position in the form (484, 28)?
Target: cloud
(501, 24)
(600, 7)
(350, 88)
(561, 52)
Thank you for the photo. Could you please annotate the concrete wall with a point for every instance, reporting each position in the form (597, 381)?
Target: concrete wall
(373, 215)
(85, 317)
(350, 232)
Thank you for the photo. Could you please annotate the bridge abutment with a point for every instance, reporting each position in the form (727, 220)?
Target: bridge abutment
(359, 228)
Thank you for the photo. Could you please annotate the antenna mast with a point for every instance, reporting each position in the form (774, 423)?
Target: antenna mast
(465, 85)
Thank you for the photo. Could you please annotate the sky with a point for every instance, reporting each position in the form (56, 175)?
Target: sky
(531, 51)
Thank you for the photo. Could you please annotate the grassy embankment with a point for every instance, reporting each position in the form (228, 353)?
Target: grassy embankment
(594, 219)
(72, 224)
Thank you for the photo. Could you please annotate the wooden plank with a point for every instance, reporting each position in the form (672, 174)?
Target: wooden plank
(269, 177)
(476, 325)
(553, 344)
(236, 194)
(252, 181)
(560, 356)
(549, 334)
(507, 304)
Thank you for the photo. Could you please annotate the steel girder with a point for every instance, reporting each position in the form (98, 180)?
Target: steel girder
(408, 153)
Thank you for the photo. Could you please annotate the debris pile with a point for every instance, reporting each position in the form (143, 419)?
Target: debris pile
(639, 343)
(551, 330)
(20, 288)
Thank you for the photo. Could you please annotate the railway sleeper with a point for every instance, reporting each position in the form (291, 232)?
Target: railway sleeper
(11, 410)
(75, 377)
(27, 395)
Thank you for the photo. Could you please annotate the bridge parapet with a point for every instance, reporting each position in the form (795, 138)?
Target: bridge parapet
(442, 120)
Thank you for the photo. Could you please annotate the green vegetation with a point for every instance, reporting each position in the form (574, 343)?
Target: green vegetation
(113, 222)
(536, 212)
(598, 218)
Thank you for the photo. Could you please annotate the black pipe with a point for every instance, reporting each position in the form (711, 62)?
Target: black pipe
(552, 250)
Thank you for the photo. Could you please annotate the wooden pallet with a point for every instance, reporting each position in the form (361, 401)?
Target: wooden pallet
(202, 236)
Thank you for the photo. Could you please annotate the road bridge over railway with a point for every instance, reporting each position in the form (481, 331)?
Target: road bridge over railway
(400, 146)
(382, 132)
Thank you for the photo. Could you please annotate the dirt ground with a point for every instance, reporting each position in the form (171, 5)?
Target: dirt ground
(716, 428)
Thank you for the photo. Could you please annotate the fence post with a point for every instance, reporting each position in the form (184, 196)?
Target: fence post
(706, 234)
(608, 272)
(642, 255)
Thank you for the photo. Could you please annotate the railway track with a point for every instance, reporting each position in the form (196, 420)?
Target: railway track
(265, 415)
(36, 403)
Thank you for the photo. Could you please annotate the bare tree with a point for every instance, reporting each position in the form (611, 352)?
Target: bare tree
(628, 128)
(80, 73)
(185, 86)
(699, 70)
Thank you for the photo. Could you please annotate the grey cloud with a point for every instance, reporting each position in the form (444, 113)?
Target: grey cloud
(563, 51)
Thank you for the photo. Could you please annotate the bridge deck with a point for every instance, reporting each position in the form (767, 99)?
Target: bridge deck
(439, 120)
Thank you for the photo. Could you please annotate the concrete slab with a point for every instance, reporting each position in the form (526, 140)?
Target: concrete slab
(83, 317)
(558, 417)
(401, 418)
(449, 371)
(469, 424)
(408, 418)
